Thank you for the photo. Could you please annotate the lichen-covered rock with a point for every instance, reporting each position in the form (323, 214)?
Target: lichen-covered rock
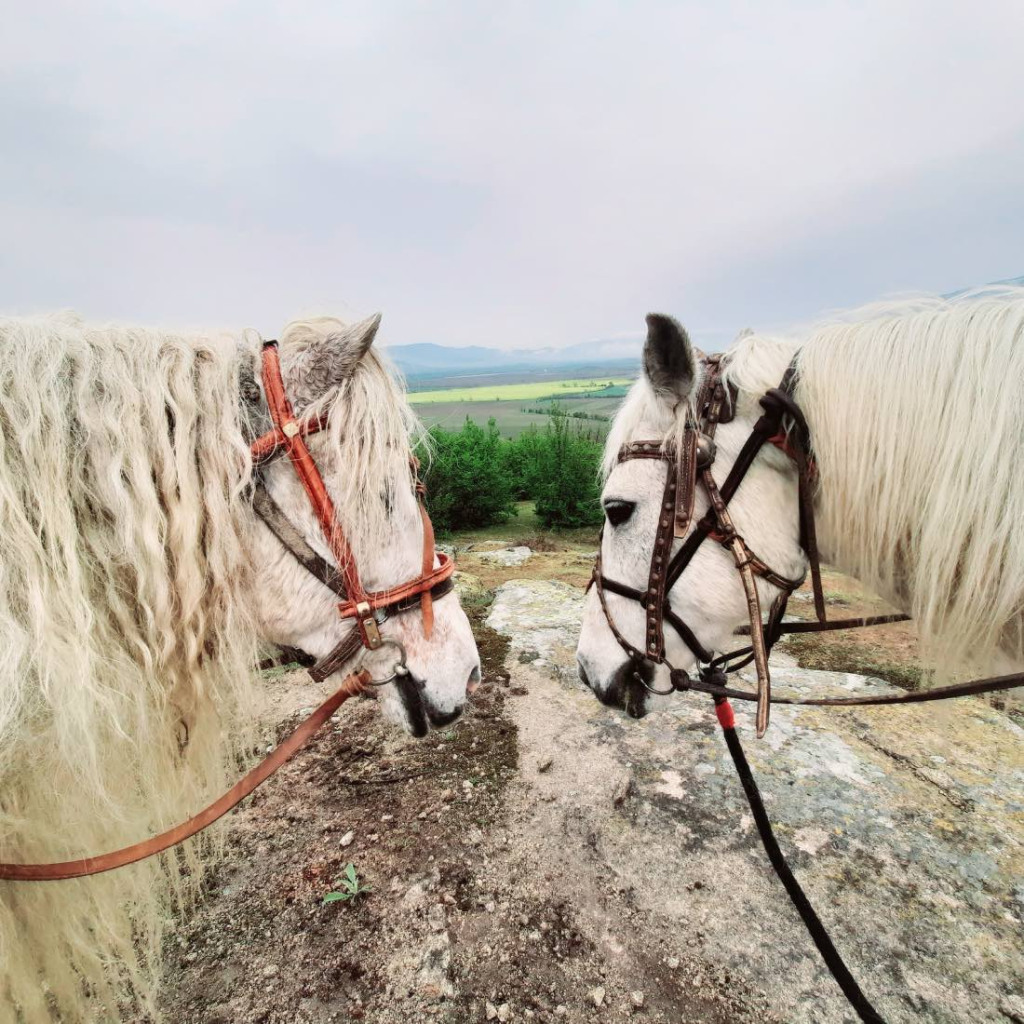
(538, 616)
(471, 588)
(905, 826)
(507, 556)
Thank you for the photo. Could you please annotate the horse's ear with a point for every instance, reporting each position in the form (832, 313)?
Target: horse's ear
(315, 361)
(344, 348)
(668, 358)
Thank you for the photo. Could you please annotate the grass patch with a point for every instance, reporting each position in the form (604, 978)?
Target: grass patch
(832, 656)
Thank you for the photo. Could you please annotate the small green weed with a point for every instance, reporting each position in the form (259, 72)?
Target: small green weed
(349, 887)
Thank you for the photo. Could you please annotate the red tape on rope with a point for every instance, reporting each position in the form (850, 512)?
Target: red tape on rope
(726, 718)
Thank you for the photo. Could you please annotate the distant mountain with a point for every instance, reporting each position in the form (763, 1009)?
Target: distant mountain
(427, 359)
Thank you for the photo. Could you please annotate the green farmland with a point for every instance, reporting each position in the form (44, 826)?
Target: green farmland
(511, 417)
(529, 392)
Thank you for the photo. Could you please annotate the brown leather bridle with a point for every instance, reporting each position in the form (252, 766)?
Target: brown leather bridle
(686, 467)
(369, 610)
(783, 425)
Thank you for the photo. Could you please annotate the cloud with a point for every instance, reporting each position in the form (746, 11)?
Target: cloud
(517, 175)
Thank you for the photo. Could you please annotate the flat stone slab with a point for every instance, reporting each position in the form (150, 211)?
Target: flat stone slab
(905, 826)
(541, 616)
(506, 556)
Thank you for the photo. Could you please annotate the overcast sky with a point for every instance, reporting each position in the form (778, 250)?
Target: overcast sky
(516, 174)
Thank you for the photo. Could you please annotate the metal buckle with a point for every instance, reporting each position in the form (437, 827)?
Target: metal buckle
(368, 626)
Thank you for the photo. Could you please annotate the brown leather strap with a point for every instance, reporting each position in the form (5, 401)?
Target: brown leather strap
(973, 688)
(351, 685)
(685, 484)
(337, 658)
(654, 630)
(292, 540)
(383, 598)
(273, 441)
(745, 565)
(306, 469)
(830, 625)
(808, 532)
(426, 598)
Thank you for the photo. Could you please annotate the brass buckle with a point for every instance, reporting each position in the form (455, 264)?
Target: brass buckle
(368, 626)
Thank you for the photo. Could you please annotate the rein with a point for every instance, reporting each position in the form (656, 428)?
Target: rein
(686, 467)
(370, 610)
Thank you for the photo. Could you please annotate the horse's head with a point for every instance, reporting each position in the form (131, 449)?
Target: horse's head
(365, 458)
(708, 596)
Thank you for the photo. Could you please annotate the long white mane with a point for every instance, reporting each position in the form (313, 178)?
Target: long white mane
(916, 411)
(126, 686)
(917, 416)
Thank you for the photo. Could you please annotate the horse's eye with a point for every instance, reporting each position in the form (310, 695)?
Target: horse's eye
(618, 511)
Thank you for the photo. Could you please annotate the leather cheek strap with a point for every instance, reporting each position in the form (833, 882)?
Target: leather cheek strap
(426, 598)
(316, 490)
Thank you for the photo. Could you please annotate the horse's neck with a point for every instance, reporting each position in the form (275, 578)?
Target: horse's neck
(914, 422)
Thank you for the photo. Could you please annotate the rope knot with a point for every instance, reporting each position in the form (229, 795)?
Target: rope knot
(680, 680)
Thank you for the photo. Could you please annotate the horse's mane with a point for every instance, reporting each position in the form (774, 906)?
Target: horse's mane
(126, 685)
(917, 424)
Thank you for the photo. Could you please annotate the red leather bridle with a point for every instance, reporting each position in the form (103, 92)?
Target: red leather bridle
(368, 609)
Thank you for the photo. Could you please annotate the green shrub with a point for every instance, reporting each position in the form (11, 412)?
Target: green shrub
(567, 493)
(468, 482)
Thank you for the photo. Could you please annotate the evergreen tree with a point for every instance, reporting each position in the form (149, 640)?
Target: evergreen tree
(567, 492)
(467, 478)
(525, 462)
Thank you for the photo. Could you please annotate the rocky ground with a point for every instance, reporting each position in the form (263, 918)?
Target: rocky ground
(547, 859)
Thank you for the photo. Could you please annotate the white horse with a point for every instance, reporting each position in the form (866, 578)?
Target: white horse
(136, 585)
(916, 416)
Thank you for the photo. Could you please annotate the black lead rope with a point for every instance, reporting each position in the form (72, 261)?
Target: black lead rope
(833, 961)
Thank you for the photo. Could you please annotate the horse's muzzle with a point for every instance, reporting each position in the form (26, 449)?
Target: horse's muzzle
(626, 690)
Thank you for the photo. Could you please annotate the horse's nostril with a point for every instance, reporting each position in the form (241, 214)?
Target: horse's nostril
(474, 680)
(582, 674)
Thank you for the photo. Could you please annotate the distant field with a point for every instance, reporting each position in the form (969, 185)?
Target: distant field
(511, 419)
(451, 415)
(527, 392)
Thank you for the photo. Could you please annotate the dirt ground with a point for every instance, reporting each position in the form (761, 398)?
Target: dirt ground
(459, 925)
(475, 912)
